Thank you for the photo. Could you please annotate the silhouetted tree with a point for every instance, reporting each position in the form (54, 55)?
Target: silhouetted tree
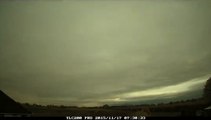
(106, 106)
(207, 90)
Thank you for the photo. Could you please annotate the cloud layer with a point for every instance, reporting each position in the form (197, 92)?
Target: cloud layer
(93, 52)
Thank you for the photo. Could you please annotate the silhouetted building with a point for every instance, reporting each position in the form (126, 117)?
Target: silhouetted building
(10, 108)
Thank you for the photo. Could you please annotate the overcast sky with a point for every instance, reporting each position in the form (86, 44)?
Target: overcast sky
(96, 52)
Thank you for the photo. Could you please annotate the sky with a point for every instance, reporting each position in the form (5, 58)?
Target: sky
(96, 52)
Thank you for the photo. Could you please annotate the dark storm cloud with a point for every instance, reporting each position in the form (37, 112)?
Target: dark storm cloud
(96, 52)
